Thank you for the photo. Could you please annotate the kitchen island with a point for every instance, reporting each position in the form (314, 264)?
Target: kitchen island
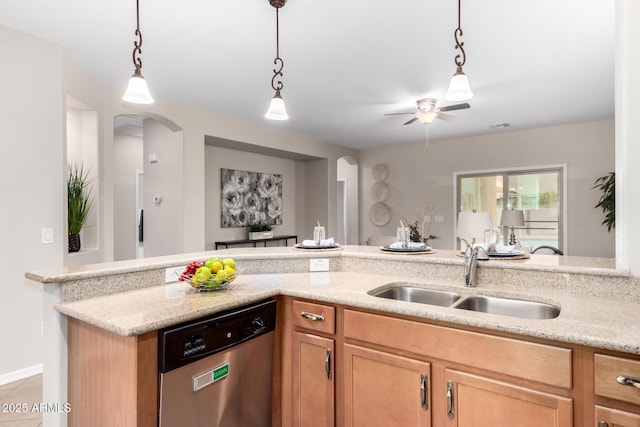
(598, 301)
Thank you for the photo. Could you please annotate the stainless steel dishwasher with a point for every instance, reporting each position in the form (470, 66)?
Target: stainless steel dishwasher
(216, 371)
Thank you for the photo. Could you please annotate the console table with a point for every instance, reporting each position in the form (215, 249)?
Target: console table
(285, 237)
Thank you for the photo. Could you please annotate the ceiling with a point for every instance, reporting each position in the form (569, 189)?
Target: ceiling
(348, 62)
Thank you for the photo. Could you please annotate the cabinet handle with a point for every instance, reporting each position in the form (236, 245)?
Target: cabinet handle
(625, 380)
(603, 424)
(327, 363)
(424, 392)
(450, 408)
(311, 316)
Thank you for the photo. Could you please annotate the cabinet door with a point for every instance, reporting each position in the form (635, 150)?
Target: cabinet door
(313, 386)
(383, 389)
(607, 417)
(474, 401)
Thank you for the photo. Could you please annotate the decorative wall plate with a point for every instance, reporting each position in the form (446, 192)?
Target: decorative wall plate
(380, 191)
(380, 172)
(380, 214)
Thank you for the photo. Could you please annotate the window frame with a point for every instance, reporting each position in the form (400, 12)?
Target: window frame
(561, 169)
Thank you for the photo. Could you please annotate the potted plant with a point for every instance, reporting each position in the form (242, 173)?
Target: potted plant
(607, 184)
(260, 230)
(79, 203)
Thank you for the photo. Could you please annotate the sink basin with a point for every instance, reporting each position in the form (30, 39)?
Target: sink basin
(419, 295)
(508, 307)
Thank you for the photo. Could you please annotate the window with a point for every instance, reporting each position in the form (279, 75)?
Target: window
(537, 192)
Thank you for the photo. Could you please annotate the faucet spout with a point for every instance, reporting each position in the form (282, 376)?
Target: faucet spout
(471, 264)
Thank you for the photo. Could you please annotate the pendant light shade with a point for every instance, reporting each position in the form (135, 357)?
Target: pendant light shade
(137, 91)
(277, 109)
(459, 88)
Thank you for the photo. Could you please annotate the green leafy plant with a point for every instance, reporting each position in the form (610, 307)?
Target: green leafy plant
(260, 226)
(607, 185)
(79, 202)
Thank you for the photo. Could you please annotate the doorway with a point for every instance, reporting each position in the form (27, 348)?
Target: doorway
(347, 201)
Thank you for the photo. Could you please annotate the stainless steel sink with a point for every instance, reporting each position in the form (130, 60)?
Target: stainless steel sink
(508, 307)
(419, 295)
(480, 303)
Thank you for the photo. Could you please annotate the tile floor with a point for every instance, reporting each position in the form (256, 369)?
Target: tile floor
(18, 395)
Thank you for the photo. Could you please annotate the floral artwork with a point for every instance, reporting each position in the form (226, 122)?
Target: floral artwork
(249, 197)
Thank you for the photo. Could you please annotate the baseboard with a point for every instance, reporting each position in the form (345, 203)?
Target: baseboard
(20, 374)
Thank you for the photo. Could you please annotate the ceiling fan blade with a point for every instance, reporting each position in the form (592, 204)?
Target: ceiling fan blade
(396, 114)
(411, 121)
(455, 107)
(447, 117)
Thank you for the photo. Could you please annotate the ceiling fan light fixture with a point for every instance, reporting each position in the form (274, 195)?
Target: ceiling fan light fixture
(459, 88)
(427, 117)
(277, 109)
(137, 91)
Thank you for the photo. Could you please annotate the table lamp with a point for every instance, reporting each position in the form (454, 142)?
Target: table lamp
(511, 219)
(472, 225)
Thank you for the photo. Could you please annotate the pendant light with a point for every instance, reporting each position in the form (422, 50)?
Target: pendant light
(277, 110)
(459, 89)
(137, 91)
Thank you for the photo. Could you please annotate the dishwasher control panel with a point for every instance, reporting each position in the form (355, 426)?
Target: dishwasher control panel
(193, 340)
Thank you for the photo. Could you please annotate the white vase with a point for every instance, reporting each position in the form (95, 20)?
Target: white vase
(255, 235)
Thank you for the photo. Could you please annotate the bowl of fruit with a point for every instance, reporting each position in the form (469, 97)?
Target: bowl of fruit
(215, 274)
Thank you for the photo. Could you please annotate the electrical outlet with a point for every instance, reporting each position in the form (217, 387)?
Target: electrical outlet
(319, 264)
(439, 218)
(46, 236)
(172, 274)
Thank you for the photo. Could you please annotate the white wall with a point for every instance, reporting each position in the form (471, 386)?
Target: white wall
(217, 158)
(347, 169)
(128, 154)
(32, 189)
(418, 176)
(163, 222)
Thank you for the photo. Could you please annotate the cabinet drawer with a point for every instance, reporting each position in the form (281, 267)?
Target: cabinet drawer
(316, 317)
(607, 369)
(531, 361)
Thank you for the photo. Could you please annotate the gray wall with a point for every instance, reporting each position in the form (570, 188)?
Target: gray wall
(418, 176)
(32, 189)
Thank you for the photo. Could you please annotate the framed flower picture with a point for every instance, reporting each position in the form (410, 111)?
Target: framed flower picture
(249, 197)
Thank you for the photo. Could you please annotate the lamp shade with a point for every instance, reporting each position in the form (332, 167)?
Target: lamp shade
(137, 91)
(512, 218)
(277, 109)
(459, 89)
(473, 224)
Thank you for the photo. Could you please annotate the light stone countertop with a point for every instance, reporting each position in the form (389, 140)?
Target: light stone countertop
(599, 303)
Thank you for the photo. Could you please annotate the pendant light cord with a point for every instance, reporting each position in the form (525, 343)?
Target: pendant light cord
(277, 84)
(459, 44)
(137, 49)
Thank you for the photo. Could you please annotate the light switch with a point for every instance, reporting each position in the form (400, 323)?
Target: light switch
(46, 236)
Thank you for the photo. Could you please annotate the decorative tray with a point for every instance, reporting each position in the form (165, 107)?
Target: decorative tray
(425, 250)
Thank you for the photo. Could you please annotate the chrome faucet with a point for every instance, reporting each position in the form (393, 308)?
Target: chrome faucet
(471, 257)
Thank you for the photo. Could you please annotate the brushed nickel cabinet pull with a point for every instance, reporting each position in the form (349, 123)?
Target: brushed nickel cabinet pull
(424, 391)
(327, 364)
(311, 316)
(625, 380)
(450, 404)
(603, 424)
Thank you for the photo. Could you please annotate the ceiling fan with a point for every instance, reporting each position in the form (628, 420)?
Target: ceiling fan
(427, 111)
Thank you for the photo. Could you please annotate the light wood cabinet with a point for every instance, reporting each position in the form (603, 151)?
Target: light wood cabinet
(475, 401)
(383, 389)
(608, 417)
(313, 357)
(616, 382)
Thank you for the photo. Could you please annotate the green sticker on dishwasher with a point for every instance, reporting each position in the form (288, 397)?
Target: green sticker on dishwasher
(220, 372)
